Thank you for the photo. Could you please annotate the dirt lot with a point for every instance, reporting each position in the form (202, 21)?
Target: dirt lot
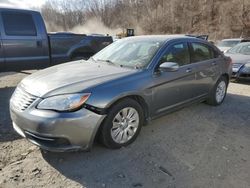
(199, 146)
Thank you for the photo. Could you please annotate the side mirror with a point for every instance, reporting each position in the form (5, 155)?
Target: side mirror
(169, 67)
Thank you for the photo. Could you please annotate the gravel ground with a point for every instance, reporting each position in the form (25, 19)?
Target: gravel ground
(198, 146)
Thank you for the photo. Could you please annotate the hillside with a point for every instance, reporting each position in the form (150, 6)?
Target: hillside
(218, 18)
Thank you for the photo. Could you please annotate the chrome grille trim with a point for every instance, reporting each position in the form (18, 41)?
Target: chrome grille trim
(21, 100)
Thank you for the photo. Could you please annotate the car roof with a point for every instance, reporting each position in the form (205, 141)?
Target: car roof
(233, 39)
(162, 37)
(243, 44)
(16, 9)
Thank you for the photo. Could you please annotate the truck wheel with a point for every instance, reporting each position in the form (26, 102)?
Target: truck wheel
(122, 124)
(218, 93)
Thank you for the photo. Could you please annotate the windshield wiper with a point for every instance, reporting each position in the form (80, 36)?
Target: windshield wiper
(107, 61)
(112, 63)
(91, 58)
(138, 66)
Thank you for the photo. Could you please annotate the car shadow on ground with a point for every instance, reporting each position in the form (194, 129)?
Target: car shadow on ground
(4, 74)
(13, 72)
(7, 132)
(242, 81)
(169, 145)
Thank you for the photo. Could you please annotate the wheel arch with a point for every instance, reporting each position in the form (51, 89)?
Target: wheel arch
(226, 75)
(135, 97)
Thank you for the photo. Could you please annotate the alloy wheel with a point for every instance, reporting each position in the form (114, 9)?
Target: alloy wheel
(125, 125)
(220, 91)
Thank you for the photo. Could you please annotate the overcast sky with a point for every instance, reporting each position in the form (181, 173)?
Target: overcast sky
(22, 3)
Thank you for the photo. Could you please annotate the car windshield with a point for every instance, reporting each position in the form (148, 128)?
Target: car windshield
(243, 48)
(136, 53)
(229, 43)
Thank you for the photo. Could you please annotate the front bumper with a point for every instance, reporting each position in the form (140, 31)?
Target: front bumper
(56, 131)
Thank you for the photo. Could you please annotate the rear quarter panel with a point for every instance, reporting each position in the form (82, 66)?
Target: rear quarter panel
(61, 46)
(64, 47)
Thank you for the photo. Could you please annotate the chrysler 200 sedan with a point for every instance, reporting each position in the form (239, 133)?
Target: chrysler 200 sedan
(111, 95)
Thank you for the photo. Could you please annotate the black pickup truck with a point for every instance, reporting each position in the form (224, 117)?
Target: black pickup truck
(25, 43)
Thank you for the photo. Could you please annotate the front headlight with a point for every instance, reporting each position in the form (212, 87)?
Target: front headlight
(69, 102)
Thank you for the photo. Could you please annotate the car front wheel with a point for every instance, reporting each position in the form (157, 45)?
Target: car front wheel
(122, 124)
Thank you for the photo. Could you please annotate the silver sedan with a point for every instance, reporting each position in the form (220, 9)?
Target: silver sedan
(110, 96)
(240, 55)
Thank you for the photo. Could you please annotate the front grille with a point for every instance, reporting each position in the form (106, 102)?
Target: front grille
(21, 100)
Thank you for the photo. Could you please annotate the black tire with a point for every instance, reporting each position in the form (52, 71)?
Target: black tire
(105, 132)
(212, 95)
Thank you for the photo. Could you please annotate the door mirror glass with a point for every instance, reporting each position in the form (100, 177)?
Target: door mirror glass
(169, 67)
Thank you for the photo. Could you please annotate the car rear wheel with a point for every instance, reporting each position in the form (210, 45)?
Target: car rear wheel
(122, 124)
(218, 93)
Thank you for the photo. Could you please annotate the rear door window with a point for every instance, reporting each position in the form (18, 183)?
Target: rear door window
(177, 53)
(201, 52)
(18, 24)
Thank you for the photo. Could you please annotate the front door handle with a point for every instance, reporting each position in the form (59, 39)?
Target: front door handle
(188, 70)
(214, 63)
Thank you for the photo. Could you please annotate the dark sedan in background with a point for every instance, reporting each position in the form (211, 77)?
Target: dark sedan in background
(112, 94)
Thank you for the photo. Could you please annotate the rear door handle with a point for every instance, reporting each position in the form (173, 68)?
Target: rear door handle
(214, 63)
(39, 43)
(188, 70)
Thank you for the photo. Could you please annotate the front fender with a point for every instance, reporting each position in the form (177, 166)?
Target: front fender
(138, 84)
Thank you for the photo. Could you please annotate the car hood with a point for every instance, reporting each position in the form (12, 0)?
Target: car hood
(224, 49)
(239, 58)
(71, 77)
